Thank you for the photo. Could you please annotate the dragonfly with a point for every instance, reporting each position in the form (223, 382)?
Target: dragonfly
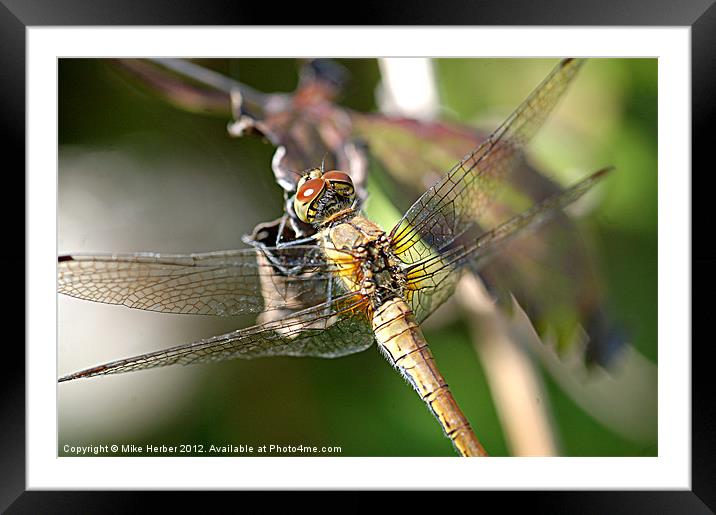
(550, 273)
(350, 284)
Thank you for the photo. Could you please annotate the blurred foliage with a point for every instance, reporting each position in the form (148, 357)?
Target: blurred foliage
(608, 117)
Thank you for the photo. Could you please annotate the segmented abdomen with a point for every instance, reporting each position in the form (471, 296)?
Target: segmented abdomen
(401, 340)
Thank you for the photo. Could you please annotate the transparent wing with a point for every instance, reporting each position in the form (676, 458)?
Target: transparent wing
(329, 330)
(431, 280)
(216, 283)
(452, 205)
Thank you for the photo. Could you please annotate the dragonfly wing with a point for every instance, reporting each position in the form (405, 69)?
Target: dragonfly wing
(453, 204)
(432, 280)
(329, 330)
(222, 283)
(549, 271)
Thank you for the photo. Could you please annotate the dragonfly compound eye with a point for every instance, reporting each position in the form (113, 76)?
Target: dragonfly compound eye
(341, 182)
(307, 197)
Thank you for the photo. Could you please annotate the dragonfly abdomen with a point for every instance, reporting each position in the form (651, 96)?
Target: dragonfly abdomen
(402, 342)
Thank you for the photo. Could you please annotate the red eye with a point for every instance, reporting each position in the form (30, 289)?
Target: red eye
(340, 182)
(338, 176)
(310, 190)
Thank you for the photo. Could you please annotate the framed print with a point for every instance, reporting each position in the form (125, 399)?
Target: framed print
(522, 211)
(102, 278)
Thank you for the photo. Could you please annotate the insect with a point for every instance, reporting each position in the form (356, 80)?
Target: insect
(350, 284)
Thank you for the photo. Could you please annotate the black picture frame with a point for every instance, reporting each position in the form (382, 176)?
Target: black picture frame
(17, 15)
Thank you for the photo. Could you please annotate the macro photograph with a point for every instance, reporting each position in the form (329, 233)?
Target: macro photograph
(399, 257)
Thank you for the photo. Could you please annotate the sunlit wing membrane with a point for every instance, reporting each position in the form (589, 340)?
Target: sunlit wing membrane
(216, 283)
(432, 280)
(328, 330)
(452, 205)
(429, 283)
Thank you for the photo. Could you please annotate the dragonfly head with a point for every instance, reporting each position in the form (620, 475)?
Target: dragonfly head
(320, 194)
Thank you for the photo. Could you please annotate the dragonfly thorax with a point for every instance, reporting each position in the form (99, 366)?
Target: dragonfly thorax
(382, 278)
(372, 268)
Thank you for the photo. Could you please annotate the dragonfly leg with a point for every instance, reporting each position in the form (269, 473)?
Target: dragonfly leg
(292, 243)
(329, 294)
(281, 227)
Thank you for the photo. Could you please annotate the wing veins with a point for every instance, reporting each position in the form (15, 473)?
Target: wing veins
(514, 132)
(274, 333)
